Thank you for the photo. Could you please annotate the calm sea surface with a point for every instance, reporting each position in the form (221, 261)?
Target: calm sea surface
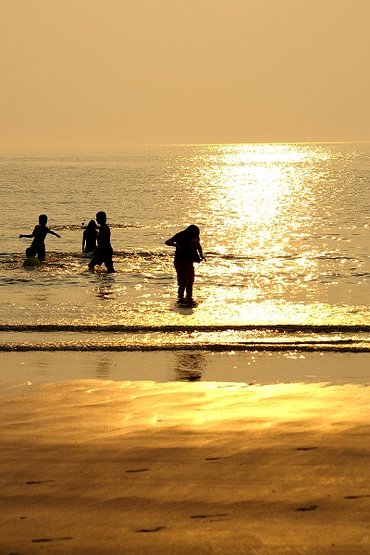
(285, 230)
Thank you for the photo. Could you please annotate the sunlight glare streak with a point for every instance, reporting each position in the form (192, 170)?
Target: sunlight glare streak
(263, 198)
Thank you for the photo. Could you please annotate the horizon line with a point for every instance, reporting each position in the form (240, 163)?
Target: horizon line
(135, 145)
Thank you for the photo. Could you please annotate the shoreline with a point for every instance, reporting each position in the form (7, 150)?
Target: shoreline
(258, 367)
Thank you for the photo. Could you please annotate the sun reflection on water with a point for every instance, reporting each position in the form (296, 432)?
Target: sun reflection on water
(260, 201)
(261, 192)
(265, 206)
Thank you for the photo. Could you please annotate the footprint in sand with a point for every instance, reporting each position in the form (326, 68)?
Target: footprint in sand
(308, 508)
(149, 530)
(356, 496)
(33, 482)
(42, 540)
(218, 517)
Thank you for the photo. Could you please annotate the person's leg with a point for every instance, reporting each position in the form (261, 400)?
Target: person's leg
(181, 281)
(41, 253)
(189, 282)
(108, 261)
(189, 292)
(95, 261)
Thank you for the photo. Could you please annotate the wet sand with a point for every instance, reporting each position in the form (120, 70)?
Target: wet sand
(251, 367)
(106, 467)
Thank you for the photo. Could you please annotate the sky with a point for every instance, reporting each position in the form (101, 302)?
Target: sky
(118, 72)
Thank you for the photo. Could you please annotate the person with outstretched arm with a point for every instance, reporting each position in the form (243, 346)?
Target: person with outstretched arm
(38, 235)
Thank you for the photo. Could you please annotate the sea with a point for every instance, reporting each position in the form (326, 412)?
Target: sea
(285, 231)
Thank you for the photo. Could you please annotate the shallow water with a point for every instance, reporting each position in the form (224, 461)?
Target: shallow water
(285, 229)
(251, 367)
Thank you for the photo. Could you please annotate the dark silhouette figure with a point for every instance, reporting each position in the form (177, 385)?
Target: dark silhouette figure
(31, 260)
(104, 251)
(188, 251)
(89, 238)
(38, 235)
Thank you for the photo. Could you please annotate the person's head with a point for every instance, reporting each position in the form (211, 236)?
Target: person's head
(43, 219)
(193, 232)
(30, 251)
(101, 217)
(91, 224)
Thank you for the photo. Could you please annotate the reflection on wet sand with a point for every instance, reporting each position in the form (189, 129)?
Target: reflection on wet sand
(105, 290)
(189, 366)
(104, 368)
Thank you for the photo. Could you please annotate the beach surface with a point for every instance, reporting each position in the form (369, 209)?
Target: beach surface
(141, 467)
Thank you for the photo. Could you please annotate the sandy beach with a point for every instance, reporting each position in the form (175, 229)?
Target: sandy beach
(136, 467)
(184, 277)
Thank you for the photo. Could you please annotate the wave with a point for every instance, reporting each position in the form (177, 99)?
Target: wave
(59, 256)
(97, 337)
(132, 328)
(6, 257)
(345, 347)
(82, 226)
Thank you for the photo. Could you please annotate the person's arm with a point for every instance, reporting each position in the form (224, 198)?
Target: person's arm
(171, 242)
(174, 242)
(29, 235)
(83, 242)
(53, 233)
(200, 250)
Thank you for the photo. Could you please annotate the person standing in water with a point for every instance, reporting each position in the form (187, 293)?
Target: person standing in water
(104, 251)
(31, 260)
(188, 250)
(38, 235)
(89, 238)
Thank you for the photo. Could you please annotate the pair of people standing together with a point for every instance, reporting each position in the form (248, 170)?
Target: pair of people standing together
(97, 243)
(187, 244)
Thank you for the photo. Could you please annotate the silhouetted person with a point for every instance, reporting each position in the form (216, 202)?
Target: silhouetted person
(188, 251)
(89, 238)
(31, 260)
(38, 234)
(104, 251)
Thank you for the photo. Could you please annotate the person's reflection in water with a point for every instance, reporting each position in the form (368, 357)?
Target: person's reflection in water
(103, 369)
(189, 366)
(105, 290)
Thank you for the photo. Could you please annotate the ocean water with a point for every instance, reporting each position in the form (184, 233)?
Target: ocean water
(284, 227)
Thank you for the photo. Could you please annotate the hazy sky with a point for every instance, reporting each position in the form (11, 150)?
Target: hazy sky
(115, 72)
